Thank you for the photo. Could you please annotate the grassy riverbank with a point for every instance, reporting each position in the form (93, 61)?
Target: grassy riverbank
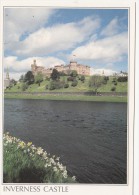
(69, 97)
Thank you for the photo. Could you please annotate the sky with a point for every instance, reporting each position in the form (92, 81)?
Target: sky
(94, 37)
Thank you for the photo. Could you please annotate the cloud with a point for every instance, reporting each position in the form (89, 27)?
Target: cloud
(109, 50)
(23, 21)
(19, 67)
(56, 38)
(111, 29)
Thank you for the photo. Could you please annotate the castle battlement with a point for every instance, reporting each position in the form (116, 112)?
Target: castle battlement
(73, 65)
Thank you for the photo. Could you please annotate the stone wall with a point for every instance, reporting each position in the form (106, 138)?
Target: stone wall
(81, 69)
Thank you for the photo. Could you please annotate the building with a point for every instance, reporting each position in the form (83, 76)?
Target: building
(7, 80)
(73, 65)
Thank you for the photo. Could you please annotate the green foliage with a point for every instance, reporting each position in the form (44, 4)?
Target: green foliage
(82, 78)
(122, 79)
(24, 86)
(66, 85)
(13, 82)
(25, 163)
(56, 85)
(21, 78)
(73, 73)
(113, 88)
(55, 75)
(74, 83)
(70, 78)
(39, 78)
(96, 81)
(29, 78)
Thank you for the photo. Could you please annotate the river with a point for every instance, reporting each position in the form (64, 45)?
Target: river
(89, 137)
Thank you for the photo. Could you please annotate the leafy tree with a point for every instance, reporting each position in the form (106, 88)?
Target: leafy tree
(29, 78)
(39, 78)
(66, 85)
(74, 83)
(96, 81)
(73, 73)
(24, 86)
(21, 78)
(122, 79)
(82, 78)
(55, 75)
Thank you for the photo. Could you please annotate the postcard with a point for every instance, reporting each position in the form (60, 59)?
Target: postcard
(68, 97)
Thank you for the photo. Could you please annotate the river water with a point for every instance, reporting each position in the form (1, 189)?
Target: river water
(89, 137)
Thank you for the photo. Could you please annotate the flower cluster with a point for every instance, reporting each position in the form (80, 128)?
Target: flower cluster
(38, 153)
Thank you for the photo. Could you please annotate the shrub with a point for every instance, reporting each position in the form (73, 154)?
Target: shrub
(82, 78)
(122, 79)
(113, 88)
(70, 78)
(46, 87)
(74, 83)
(24, 86)
(66, 85)
(52, 86)
(25, 163)
(115, 83)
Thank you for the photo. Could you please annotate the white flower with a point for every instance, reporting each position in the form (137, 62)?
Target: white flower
(74, 178)
(55, 169)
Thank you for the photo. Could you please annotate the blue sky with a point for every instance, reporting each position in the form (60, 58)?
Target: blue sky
(97, 37)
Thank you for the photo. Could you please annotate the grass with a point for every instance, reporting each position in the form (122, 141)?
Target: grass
(81, 87)
(69, 97)
(25, 163)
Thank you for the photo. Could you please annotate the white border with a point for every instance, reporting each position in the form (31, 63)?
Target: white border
(90, 189)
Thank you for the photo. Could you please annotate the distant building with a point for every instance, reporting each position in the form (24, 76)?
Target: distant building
(7, 80)
(81, 69)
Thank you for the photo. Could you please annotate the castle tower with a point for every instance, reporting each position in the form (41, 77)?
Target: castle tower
(33, 66)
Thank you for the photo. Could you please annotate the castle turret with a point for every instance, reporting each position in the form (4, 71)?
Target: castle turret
(33, 66)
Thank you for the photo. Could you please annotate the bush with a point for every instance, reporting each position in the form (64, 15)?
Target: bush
(70, 78)
(122, 79)
(25, 163)
(74, 83)
(113, 88)
(52, 86)
(82, 78)
(46, 87)
(24, 86)
(66, 85)
(115, 83)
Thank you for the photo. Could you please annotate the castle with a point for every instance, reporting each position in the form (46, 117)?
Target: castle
(81, 69)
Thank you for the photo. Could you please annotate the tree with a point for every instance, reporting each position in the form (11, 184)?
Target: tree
(29, 78)
(13, 82)
(73, 73)
(24, 86)
(96, 81)
(55, 75)
(21, 78)
(39, 78)
(82, 78)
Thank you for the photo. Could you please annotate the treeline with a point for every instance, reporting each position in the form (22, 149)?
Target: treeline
(58, 80)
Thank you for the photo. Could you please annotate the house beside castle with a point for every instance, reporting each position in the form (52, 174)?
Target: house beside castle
(73, 65)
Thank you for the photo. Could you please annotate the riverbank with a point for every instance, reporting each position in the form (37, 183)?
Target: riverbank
(69, 97)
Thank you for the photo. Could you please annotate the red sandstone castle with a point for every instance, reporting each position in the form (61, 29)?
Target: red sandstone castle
(81, 69)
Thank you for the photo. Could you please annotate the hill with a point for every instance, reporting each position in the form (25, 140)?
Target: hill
(82, 86)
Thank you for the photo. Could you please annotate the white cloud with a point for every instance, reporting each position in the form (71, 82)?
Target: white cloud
(108, 50)
(101, 71)
(21, 21)
(19, 67)
(111, 29)
(56, 38)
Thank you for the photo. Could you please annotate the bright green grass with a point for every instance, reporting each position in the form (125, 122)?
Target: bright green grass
(81, 87)
(69, 97)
